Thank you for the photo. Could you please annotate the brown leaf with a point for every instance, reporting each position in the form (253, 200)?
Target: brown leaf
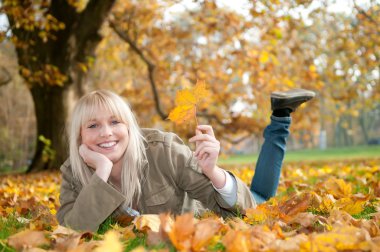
(27, 239)
(296, 204)
(66, 238)
(304, 219)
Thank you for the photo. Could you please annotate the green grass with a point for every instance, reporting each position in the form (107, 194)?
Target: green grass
(357, 152)
(366, 213)
(8, 227)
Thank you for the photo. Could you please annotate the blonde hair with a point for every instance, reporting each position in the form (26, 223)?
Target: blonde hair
(135, 154)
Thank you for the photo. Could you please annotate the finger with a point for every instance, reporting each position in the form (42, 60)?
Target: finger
(197, 134)
(207, 152)
(204, 145)
(203, 137)
(207, 129)
(212, 151)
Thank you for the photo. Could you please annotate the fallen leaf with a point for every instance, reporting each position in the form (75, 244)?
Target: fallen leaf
(27, 239)
(147, 221)
(204, 231)
(111, 243)
(181, 232)
(338, 188)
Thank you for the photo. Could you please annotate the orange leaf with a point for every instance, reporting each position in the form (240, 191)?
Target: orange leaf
(204, 232)
(181, 232)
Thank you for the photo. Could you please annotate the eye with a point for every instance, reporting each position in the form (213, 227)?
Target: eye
(114, 122)
(92, 126)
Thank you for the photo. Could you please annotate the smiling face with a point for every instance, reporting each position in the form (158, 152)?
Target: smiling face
(106, 134)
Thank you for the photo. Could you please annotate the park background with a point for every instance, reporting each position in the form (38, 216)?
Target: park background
(53, 52)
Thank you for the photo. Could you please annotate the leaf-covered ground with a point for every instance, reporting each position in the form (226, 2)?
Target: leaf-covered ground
(321, 206)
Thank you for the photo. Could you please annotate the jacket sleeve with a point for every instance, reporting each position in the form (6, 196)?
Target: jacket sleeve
(191, 179)
(85, 208)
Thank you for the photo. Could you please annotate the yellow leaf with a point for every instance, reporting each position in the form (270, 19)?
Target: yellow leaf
(181, 114)
(148, 221)
(350, 206)
(111, 243)
(255, 215)
(264, 57)
(338, 188)
(185, 98)
(200, 91)
(187, 101)
(327, 204)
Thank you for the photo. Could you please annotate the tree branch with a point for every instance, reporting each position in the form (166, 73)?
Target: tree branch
(361, 11)
(151, 67)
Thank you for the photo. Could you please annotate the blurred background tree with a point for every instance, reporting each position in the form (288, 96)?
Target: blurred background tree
(147, 50)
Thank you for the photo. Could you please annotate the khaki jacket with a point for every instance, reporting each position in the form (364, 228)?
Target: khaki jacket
(172, 182)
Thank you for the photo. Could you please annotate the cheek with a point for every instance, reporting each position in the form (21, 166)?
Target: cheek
(86, 137)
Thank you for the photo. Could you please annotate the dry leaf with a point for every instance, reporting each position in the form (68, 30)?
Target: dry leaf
(147, 221)
(181, 232)
(236, 241)
(338, 188)
(111, 243)
(204, 231)
(304, 219)
(27, 239)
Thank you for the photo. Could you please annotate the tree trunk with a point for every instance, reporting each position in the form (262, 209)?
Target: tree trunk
(51, 106)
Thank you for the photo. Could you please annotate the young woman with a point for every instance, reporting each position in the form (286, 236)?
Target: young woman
(117, 168)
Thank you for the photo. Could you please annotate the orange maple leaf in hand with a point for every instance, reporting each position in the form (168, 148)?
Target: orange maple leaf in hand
(187, 101)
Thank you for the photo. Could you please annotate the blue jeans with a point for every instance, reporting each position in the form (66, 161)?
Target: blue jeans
(268, 167)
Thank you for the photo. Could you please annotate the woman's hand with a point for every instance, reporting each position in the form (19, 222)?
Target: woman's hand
(207, 152)
(97, 161)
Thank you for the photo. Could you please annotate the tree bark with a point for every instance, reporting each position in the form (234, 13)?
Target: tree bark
(51, 109)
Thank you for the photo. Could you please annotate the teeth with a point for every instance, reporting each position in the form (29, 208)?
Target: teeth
(107, 145)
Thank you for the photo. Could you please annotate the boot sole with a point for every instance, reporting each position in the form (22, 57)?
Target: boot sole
(303, 95)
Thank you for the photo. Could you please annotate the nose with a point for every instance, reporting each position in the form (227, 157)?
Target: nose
(106, 131)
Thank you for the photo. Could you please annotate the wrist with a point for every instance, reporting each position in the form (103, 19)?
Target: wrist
(104, 171)
(217, 177)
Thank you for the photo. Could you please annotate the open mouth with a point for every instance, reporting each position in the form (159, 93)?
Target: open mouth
(107, 145)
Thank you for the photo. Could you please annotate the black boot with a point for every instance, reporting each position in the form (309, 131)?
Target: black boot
(290, 100)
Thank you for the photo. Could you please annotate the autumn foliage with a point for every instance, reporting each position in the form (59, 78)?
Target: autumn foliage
(320, 206)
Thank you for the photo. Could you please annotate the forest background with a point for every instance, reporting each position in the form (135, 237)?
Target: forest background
(52, 52)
